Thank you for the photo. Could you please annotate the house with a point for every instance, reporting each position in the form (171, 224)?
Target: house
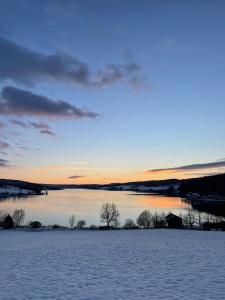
(173, 221)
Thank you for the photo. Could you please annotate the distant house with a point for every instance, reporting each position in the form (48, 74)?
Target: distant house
(173, 221)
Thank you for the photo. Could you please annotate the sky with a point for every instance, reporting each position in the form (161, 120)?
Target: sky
(100, 91)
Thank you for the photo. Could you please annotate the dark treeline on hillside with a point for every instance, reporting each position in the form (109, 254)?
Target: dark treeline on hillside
(214, 185)
(204, 185)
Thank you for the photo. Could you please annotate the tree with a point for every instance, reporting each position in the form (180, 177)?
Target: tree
(81, 223)
(199, 219)
(159, 220)
(129, 224)
(8, 222)
(189, 218)
(18, 217)
(145, 219)
(109, 214)
(35, 224)
(72, 221)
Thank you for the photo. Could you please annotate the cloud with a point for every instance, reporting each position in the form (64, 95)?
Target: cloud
(18, 123)
(4, 163)
(43, 127)
(28, 67)
(36, 125)
(193, 167)
(39, 125)
(19, 102)
(76, 176)
(2, 125)
(4, 145)
(48, 132)
(127, 73)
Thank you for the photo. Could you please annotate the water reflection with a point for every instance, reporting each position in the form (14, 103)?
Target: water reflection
(57, 206)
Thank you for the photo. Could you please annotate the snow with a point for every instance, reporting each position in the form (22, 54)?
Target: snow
(14, 191)
(141, 264)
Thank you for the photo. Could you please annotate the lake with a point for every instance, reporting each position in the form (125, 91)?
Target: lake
(58, 206)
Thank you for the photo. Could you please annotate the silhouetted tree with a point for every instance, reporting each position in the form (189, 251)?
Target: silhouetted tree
(129, 224)
(35, 224)
(18, 217)
(8, 222)
(109, 214)
(159, 220)
(81, 223)
(72, 221)
(145, 219)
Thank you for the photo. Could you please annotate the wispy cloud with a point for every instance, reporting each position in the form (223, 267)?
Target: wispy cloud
(4, 163)
(41, 126)
(4, 145)
(28, 67)
(193, 167)
(19, 123)
(2, 125)
(48, 132)
(129, 73)
(19, 102)
(76, 176)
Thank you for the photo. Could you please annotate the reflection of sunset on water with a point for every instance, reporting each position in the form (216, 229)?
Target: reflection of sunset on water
(161, 202)
(57, 206)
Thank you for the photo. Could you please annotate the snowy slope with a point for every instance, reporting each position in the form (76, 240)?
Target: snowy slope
(85, 265)
(14, 191)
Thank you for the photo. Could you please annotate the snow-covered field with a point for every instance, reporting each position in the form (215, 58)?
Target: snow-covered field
(86, 265)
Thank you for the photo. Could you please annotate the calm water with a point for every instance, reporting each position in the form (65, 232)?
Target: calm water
(57, 206)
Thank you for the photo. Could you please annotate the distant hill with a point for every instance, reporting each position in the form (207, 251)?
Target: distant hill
(204, 185)
(37, 188)
(214, 184)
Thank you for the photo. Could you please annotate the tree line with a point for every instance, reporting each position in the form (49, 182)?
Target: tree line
(110, 217)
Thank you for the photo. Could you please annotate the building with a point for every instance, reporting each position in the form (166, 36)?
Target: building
(173, 221)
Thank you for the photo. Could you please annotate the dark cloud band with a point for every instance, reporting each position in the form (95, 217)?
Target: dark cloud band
(217, 164)
(19, 102)
(26, 66)
(76, 176)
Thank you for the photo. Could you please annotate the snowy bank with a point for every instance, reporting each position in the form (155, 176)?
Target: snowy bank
(146, 264)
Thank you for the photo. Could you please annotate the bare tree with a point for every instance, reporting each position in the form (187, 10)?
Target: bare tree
(18, 217)
(159, 220)
(81, 223)
(72, 221)
(189, 218)
(145, 219)
(109, 214)
(129, 224)
(199, 219)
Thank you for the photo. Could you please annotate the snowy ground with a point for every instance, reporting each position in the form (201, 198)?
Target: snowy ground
(143, 264)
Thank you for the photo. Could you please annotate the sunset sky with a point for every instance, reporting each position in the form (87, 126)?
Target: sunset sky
(107, 90)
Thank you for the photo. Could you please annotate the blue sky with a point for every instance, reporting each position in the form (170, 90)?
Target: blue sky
(173, 115)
